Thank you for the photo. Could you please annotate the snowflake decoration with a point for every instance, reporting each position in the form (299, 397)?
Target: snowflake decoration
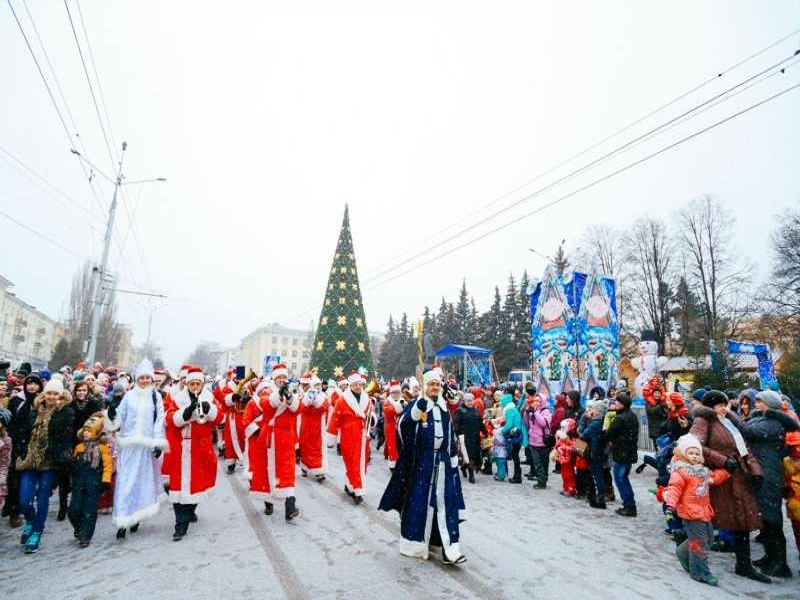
(361, 346)
(320, 344)
(342, 285)
(359, 323)
(341, 320)
(324, 321)
(355, 301)
(342, 300)
(340, 344)
(338, 371)
(343, 270)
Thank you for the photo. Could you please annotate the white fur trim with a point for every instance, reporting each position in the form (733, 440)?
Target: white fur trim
(262, 496)
(178, 420)
(253, 427)
(230, 461)
(330, 440)
(284, 492)
(229, 399)
(414, 549)
(213, 411)
(454, 462)
(141, 440)
(138, 516)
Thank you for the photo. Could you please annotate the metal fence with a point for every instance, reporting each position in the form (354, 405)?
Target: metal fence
(644, 439)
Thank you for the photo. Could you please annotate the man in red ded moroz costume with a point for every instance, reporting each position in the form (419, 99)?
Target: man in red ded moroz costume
(393, 408)
(351, 419)
(233, 436)
(191, 417)
(313, 421)
(277, 437)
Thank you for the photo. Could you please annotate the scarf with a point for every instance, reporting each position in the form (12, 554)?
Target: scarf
(737, 436)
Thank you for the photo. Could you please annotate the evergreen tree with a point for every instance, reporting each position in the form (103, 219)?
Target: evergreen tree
(522, 341)
(342, 344)
(388, 357)
(461, 324)
(560, 261)
(65, 353)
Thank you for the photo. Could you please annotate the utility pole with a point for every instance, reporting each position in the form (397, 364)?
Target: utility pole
(99, 288)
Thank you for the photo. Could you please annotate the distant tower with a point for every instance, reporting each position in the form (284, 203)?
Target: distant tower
(342, 341)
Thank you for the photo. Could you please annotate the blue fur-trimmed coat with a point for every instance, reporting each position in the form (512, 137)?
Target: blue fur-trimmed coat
(409, 489)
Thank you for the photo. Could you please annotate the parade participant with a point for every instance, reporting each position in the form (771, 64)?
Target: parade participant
(425, 488)
(46, 447)
(140, 422)
(351, 419)
(191, 417)
(279, 424)
(313, 412)
(92, 474)
(393, 408)
(253, 420)
(19, 405)
(233, 435)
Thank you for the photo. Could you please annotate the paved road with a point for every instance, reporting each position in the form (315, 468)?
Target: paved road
(519, 542)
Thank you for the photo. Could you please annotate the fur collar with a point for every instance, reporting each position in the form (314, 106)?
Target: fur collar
(64, 400)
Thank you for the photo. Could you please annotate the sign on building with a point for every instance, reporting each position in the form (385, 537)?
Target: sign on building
(270, 360)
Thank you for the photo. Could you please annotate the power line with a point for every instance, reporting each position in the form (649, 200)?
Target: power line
(612, 153)
(91, 88)
(31, 171)
(41, 235)
(50, 92)
(593, 183)
(607, 138)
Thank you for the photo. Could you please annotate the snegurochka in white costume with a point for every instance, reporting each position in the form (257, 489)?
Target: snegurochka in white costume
(140, 421)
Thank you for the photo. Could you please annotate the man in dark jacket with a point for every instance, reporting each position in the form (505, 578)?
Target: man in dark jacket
(19, 405)
(623, 437)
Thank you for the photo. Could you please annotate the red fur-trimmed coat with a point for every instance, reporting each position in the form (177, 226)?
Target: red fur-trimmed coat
(192, 467)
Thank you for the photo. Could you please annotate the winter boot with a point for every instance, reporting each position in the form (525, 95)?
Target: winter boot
(32, 545)
(775, 545)
(62, 513)
(358, 499)
(471, 475)
(180, 531)
(320, 478)
(744, 568)
(291, 509)
(626, 511)
(135, 528)
(268, 508)
(15, 521)
(464, 471)
(26, 533)
(121, 533)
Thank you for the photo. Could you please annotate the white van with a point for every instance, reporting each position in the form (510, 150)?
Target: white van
(519, 378)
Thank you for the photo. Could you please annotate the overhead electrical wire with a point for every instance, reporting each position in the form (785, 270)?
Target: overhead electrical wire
(592, 184)
(607, 138)
(41, 235)
(572, 174)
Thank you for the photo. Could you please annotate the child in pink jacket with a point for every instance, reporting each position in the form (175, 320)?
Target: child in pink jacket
(688, 495)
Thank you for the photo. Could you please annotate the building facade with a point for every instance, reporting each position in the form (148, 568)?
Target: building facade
(26, 334)
(293, 346)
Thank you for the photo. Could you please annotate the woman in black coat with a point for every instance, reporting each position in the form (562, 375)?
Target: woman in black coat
(468, 426)
(765, 433)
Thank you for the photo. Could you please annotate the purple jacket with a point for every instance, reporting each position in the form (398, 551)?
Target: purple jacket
(538, 424)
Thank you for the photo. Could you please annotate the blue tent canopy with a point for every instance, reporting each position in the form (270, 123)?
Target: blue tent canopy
(461, 350)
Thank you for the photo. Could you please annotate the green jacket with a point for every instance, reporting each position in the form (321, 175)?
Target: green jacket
(513, 418)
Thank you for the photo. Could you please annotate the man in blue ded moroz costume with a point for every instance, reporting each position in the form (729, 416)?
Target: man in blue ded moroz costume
(425, 488)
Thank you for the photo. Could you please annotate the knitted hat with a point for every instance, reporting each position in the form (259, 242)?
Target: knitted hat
(432, 375)
(771, 399)
(598, 406)
(624, 399)
(688, 441)
(714, 397)
(55, 385)
(119, 387)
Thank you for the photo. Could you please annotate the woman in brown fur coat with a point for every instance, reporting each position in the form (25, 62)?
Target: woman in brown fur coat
(734, 502)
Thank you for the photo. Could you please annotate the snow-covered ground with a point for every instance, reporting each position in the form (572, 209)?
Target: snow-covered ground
(520, 543)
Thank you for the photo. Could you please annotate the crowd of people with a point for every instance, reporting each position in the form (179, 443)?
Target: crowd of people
(116, 442)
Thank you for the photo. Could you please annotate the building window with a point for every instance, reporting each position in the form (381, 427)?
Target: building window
(285, 341)
(294, 342)
(294, 366)
(274, 339)
(294, 353)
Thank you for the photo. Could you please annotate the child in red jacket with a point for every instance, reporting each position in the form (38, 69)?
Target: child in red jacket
(565, 440)
(688, 496)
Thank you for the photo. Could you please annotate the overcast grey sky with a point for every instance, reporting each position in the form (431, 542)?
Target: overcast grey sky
(266, 121)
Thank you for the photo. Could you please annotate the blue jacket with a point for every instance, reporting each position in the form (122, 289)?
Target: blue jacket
(596, 437)
(513, 418)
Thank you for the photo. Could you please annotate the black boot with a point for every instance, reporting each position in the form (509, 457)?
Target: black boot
(291, 509)
(268, 508)
(464, 471)
(775, 548)
(121, 533)
(180, 531)
(471, 475)
(62, 513)
(744, 567)
(626, 511)
(134, 528)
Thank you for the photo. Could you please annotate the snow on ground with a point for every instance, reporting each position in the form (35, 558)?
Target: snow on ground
(520, 543)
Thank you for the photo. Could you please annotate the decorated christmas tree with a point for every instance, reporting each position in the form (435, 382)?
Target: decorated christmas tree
(342, 341)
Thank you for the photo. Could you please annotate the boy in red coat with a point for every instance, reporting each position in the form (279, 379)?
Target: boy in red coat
(688, 495)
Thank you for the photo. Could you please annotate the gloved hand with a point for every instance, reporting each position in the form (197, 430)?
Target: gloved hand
(731, 464)
(188, 411)
(670, 514)
(157, 452)
(112, 412)
(757, 481)
(422, 404)
(206, 407)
